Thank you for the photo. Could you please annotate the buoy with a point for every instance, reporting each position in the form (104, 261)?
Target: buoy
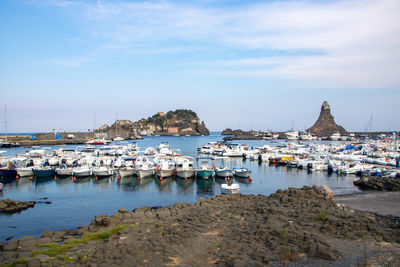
(185, 179)
(160, 178)
(95, 178)
(138, 177)
(207, 178)
(31, 178)
(55, 177)
(250, 179)
(74, 179)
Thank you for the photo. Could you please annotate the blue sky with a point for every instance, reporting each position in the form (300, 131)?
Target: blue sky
(247, 64)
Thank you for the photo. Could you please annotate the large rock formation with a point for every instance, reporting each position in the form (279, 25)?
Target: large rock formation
(325, 125)
(178, 122)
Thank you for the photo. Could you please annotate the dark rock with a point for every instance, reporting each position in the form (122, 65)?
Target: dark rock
(12, 246)
(378, 183)
(48, 233)
(33, 262)
(325, 124)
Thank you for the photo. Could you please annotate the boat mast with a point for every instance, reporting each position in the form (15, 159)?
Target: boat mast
(116, 124)
(5, 120)
(94, 125)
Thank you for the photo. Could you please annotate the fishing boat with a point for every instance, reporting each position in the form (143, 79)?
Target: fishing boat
(144, 166)
(242, 172)
(292, 135)
(204, 170)
(184, 167)
(9, 170)
(223, 172)
(165, 167)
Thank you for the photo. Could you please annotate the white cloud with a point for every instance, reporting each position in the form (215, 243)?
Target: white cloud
(360, 39)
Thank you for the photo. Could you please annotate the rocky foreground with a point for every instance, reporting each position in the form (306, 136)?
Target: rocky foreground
(9, 206)
(295, 225)
(378, 183)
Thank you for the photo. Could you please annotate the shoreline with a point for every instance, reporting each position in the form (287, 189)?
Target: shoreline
(304, 225)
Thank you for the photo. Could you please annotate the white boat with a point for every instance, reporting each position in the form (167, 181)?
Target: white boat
(144, 167)
(223, 172)
(230, 189)
(25, 171)
(307, 137)
(335, 136)
(126, 171)
(184, 167)
(82, 171)
(292, 135)
(165, 167)
(242, 172)
(343, 138)
(118, 138)
(64, 171)
(101, 172)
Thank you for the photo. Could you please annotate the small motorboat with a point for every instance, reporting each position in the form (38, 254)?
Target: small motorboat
(126, 171)
(242, 172)
(82, 172)
(230, 188)
(64, 171)
(223, 172)
(102, 172)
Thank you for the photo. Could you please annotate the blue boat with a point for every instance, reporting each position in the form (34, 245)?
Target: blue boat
(44, 172)
(8, 173)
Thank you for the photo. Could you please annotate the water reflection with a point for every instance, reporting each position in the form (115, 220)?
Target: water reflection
(205, 187)
(185, 186)
(164, 185)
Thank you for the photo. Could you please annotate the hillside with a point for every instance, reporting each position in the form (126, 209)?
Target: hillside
(178, 122)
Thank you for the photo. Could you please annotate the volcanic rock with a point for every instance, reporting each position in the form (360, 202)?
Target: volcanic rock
(378, 183)
(325, 125)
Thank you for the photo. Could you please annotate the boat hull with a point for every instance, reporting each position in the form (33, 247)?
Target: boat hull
(243, 174)
(8, 173)
(224, 173)
(64, 172)
(44, 173)
(144, 173)
(184, 174)
(164, 173)
(101, 173)
(23, 172)
(125, 172)
(205, 174)
(82, 173)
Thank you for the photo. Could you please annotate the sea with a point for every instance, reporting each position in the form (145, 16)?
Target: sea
(75, 203)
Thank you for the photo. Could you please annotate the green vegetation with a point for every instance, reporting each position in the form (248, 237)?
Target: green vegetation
(55, 249)
(19, 261)
(322, 215)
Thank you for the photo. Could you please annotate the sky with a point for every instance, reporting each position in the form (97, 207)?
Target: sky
(72, 65)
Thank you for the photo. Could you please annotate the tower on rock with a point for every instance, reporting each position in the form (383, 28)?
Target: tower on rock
(325, 125)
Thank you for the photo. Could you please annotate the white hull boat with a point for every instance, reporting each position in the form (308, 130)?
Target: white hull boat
(82, 172)
(242, 172)
(23, 172)
(102, 172)
(64, 172)
(144, 173)
(164, 173)
(126, 171)
(223, 172)
(185, 173)
(230, 189)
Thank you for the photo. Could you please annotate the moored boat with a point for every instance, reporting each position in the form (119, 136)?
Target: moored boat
(101, 172)
(126, 171)
(44, 172)
(204, 170)
(184, 167)
(242, 172)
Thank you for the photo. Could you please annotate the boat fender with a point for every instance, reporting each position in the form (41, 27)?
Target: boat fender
(250, 179)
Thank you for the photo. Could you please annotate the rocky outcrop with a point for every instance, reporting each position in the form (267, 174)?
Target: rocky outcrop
(325, 124)
(178, 122)
(225, 230)
(9, 206)
(378, 183)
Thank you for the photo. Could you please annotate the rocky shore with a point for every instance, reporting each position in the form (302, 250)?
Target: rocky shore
(295, 225)
(9, 206)
(378, 183)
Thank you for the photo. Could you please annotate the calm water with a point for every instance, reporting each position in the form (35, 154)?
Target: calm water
(76, 203)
